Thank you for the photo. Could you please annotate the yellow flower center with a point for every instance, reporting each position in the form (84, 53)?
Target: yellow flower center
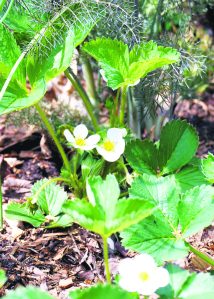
(80, 142)
(144, 276)
(108, 145)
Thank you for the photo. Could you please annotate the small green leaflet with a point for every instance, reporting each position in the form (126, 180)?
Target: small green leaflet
(21, 212)
(177, 146)
(123, 68)
(3, 278)
(103, 292)
(163, 234)
(186, 285)
(104, 213)
(27, 293)
(208, 168)
(49, 197)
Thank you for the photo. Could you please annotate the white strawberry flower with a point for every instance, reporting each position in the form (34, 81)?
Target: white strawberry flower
(141, 274)
(113, 146)
(79, 138)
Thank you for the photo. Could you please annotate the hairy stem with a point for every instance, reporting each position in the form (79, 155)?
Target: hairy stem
(77, 85)
(89, 79)
(123, 104)
(53, 135)
(106, 260)
(7, 11)
(200, 254)
(1, 207)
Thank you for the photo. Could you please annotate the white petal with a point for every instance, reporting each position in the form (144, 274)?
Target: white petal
(144, 262)
(128, 283)
(69, 136)
(115, 133)
(93, 139)
(81, 131)
(162, 277)
(120, 146)
(109, 156)
(146, 288)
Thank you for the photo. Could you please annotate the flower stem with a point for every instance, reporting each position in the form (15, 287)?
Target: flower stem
(200, 254)
(53, 135)
(123, 104)
(106, 260)
(1, 207)
(77, 85)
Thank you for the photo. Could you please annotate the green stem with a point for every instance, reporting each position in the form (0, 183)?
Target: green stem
(77, 85)
(114, 117)
(7, 11)
(53, 135)
(89, 80)
(1, 207)
(106, 260)
(203, 256)
(123, 104)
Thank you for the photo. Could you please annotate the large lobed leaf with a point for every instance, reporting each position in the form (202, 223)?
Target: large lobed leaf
(123, 68)
(163, 234)
(186, 285)
(104, 213)
(103, 291)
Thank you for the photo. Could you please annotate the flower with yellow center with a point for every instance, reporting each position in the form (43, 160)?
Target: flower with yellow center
(79, 138)
(142, 275)
(113, 146)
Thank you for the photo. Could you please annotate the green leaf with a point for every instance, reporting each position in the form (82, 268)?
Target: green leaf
(27, 293)
(155, 236)
(186, 285)
(18, 99)
(63, 220)
(3, 278)
(123, 68)
(196, 209)
(142, 156)
(208, 167)
(104, 214)
(160, 191)
(190, 176)
(91, 167)
(57, 59)
(9, 53)
(163, 234)
(102, 292)
(178, 144)
(49, 197)
(21, 212)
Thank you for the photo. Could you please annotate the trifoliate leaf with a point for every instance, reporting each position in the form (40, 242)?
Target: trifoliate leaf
(178, 144)
(123, 68)
(142, 156)
(186, 285)
(27, 293)
(103, 292)
(50, 197)
(3, 278)
(17, 211)
(208, 167)
(196, 209)
(104, 213)
(163, 234)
